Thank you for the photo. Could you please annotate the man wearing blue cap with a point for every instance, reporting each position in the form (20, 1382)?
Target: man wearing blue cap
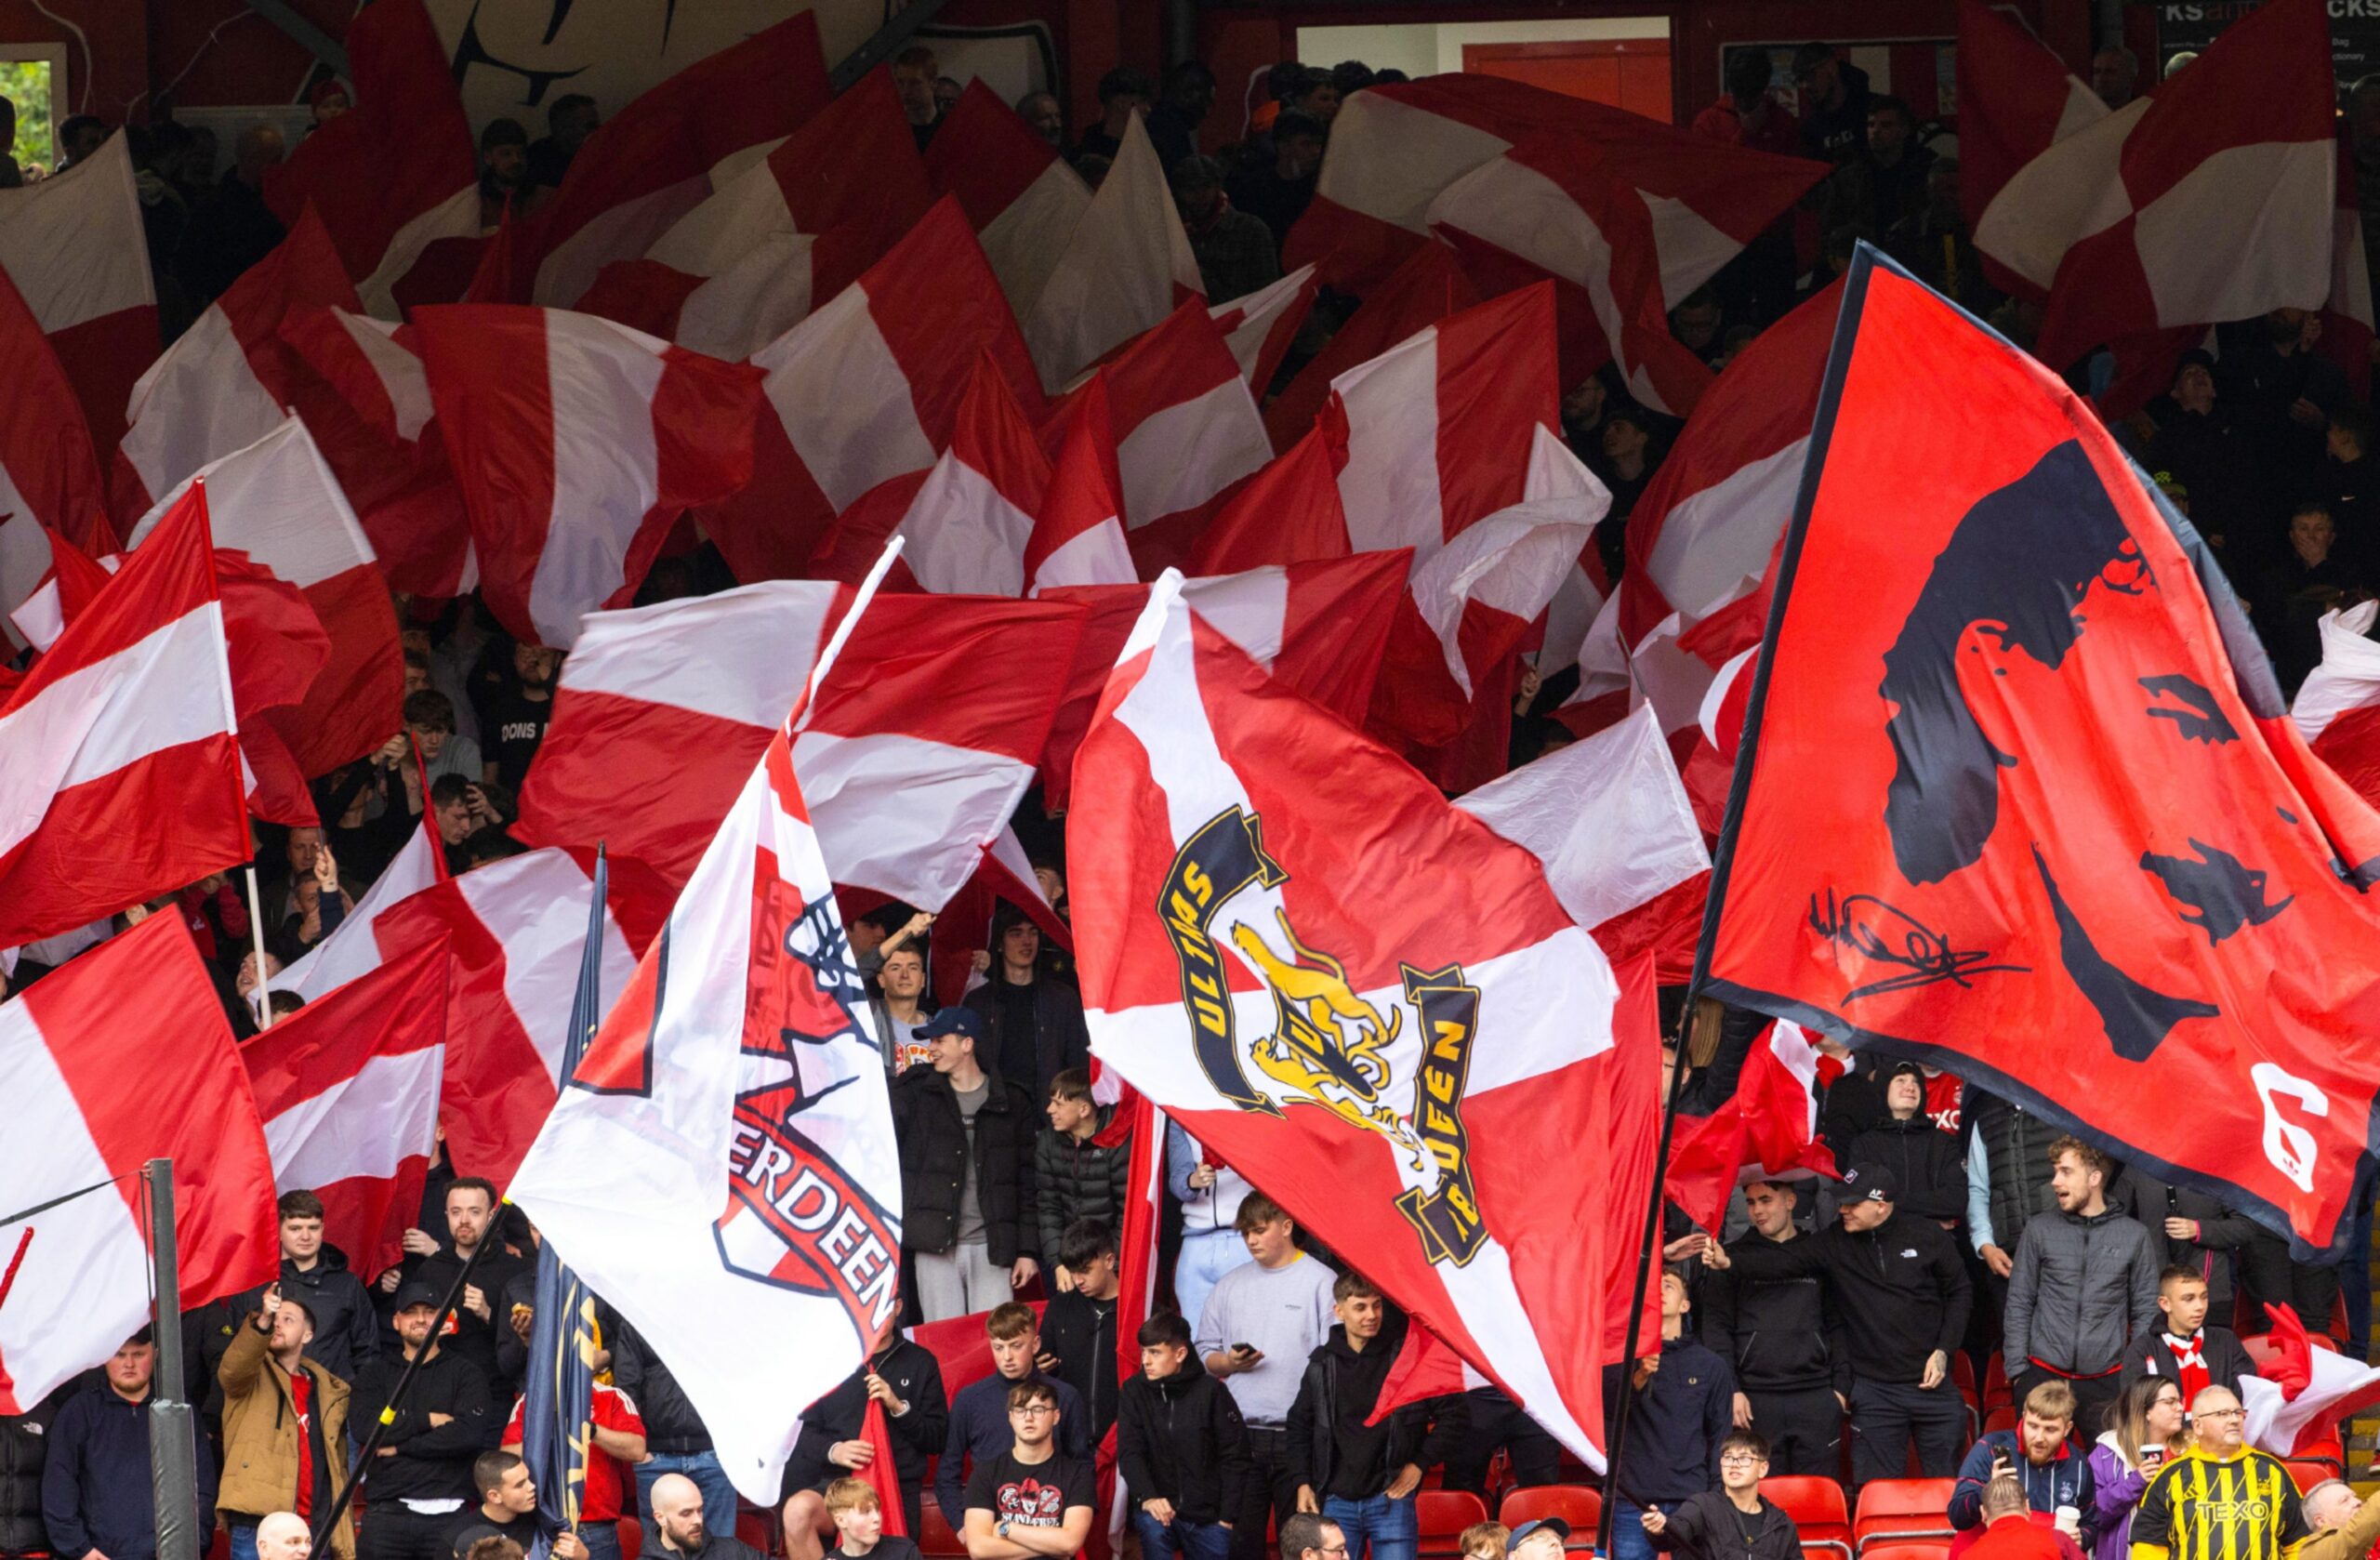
(966, 1138)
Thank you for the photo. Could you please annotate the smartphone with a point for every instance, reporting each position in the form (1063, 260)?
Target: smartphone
(1243, 1348)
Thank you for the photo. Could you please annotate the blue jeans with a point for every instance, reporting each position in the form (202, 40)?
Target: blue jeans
(244, 1540)
(602, 1539)
(1195, 1540)
(1628, 1539)
(1207, 1255)
(719, 1491)
(1388, 1525)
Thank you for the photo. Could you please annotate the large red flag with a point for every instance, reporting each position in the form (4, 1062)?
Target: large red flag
(348, 1087)
(399, 170)
(119, 765)
(48, 474)
(74, 247)
(1365, 1001)
(2062, 836)
(577, 444)
(514, 930)
(93, 1095)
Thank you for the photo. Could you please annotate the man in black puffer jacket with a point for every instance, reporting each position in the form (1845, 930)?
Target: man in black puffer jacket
(1073, 1175)
(1925, 1159)
(966, 1140)
(1362, 1476)
(1181, 1445)
(24, 1443)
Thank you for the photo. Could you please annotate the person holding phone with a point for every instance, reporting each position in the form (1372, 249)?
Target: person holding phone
(1260, 1323)
(2147, 1429)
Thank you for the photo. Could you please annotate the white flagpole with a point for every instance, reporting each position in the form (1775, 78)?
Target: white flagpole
(843, 630)
(256, 930)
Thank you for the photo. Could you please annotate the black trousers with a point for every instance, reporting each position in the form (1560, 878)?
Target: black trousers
(1497, 1420)
(1271, 1491)
(1804, 1430)
(393, 1532)
(1886, 1416)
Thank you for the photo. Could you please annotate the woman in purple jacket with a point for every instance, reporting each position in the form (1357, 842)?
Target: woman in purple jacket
(2148, 1428)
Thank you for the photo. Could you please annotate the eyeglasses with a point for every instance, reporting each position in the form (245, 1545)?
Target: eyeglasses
(1029, 1409)
(2222, 1414)
(1739, 1456)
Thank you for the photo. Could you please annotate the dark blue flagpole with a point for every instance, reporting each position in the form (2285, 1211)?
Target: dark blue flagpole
(558, 1398)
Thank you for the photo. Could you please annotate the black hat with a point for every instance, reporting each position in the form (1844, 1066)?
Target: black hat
(1869, 1183)
(415, 1293)
(1552, 1524)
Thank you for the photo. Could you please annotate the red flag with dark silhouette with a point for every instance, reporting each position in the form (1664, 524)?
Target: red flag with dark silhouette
(2017, 794)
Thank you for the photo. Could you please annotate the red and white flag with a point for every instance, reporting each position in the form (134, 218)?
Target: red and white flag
(1319, 629)
(1395, 150)
(225, 383)
(1451, 1012)
(2337, 706)
(77, 250)
(964, 523)
(513, 930)
(277, 504)
(1260, 327)
(374, 397)
(721, 1165)
(119, 761)
(2017, 100)
(750, 302)
(853, 164)
(397, 171)
(1703, 534)
(867, 389)
(352, 950)
(50, 477)
(914, 754)
(651, 163)
(1186, 431)
(348, 1087)
(1079, 533)
(1766, 1131)
(1126, 266)
(92, 1097)
(1021, 197)
(2209, 199)
(1427, 287)
(1622, 254)
(577, 444)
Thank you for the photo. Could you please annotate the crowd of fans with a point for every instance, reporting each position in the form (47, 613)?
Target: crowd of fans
(1827, 1331)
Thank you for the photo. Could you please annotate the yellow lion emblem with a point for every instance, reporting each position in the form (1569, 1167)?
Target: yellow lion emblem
(1331, 1044)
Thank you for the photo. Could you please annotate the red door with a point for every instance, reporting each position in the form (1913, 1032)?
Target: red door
(1631, 73)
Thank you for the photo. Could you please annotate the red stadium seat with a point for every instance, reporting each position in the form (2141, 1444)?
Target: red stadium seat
(937, 1538)
(2002, 1418)
(1996, 1393)
(1825, 1549)
(1897, 1509)
(1909, 1549)
(1441, 1515)
(758, 1529)
(1814, 1504)
(1573, 1503)
(2310, 1471)
(632, 1538)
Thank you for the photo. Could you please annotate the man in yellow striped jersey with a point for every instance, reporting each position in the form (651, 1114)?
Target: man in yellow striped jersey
(2220, 1500)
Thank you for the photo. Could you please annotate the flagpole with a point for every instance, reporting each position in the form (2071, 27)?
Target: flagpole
(835, 641)
(363, 1455)
(255, 931)
(1847, 330)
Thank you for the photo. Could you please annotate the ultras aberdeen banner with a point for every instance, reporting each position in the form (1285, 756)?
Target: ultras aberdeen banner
(2017, 795)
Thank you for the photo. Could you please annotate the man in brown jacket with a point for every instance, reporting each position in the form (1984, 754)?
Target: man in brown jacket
(2344, 1528)
(284, 1427)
